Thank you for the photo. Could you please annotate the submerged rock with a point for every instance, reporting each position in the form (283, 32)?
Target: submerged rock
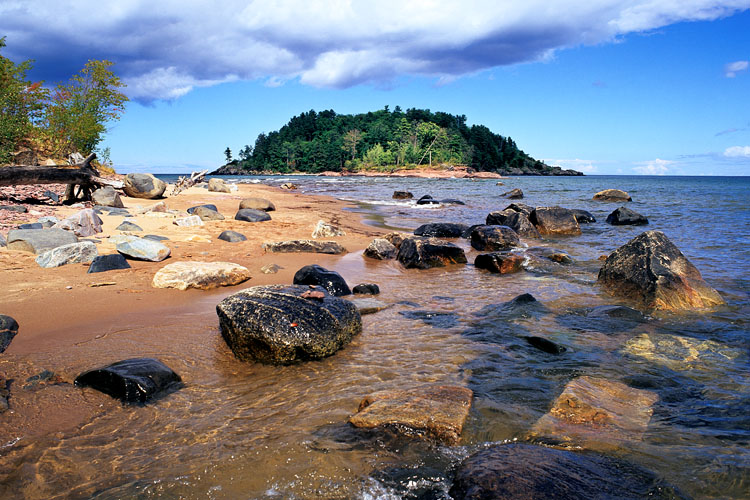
(582, 216)
(625, 217)
(612, 195)
(276, 325)
(366, 288)
(82, 251)
(424, 253)
(305, 246)
(514, 194)
(555, 221)
(132, 380)
(435, 411)
(514, 471)
(436, 319)
(494, 238)
(402, 195)
(39, 240)
(369, 305)
(441, 230)
(317, 275)
(499, 262)
(109, 262)
(257, 204)
(380, 249)
(427, 200)
(652, 271)
(681, 353)
(143, 186)
(545, 345)
(200, 275)
(325, 230)
(8, 330)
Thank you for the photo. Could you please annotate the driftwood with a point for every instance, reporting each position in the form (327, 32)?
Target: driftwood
(85, 177)
(185, 182)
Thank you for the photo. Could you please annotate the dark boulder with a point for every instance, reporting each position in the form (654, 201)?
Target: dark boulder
(494, 238)
(498, 217)
(317, 275)
(232, 236)
(511, 471)
(109, 262)
(14, 208)
(582, 216)
(366, 288)
(555, 221)
(31, 225)
(278, 325)
(451, 201)
(427, 200)
(499, 262)
(441, 230)
(8, 330)
(514, 194)
(517, 221)
(545, 345)
(143, 186)
(251, 215)
(651, 270)
(396, 239)
(402, 195)
(209, 206)
(132, 380)
(424, 253)
(380, 249)
(626, 217)
(520, 207)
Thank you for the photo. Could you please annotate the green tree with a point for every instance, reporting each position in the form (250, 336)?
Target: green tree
(77, 112)
(351, 139)
(228, 154)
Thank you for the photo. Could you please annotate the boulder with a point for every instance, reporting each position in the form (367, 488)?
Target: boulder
(8, 330)
(73, 253)
(514, 194)
(277, 325)
(133, 380)
(39, 240)
(516, 470)
(555, 221)
(206, 214)
(31, 225)
(452, 201)
(52, 196)
(200, 275)
(232, 236)
(582, 216)
(257, 204)
(270, 269)
(83, 223)
(144, 186)
(251, 215)
(380, 249)
(550, 254)
(209, 206)
(544, 345)
(498, 217)
(594, 412)
(218, 185)
(142, 249)
(424, 253)
(14, 208)
(325, 230)
(494, 238)
(128, 226)
(520, 223)
(651, 270)
(107, 197)
(441, 230)
(307, 246)
(396, 239)
(402, 195)
(520, 207)
(369, 305)
(427, 200)
(436, 411)
(109, 262)
(680, 353)
(626, 217)
(612, 195)
(499, 262)
(190, 221)
(366, 288)
(317, 275)
(48, 221)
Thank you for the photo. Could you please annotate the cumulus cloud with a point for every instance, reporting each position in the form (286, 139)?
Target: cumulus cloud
(737, 152)
(653, 167)
(731, 69)
(585, 166)
(164, 49)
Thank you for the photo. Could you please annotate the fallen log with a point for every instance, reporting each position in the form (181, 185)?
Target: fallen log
(186, 182)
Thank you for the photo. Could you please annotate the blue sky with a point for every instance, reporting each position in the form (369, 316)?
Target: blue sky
(603, 86)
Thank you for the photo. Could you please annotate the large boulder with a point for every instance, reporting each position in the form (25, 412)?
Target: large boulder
(39, 240)
(324, 230)
(582, 216)
(143, 186)
(132, 380)
(305, 246)
(251, 215)
(232, 236)
(218, 185)
(441, 230)
(516, 470)
(380, 249)
(424, 253)
(626, 217)
(257, 204)
(555, 221)
(499, 262)
(73, 253)
(8, 330)
(200, 275)
(107, 197)
(108, 262)
(436, 411)
(612, 195)
(427, 200)
(83, 223)
(396, 239)
(651, 270)
(520, 207)
(518, 221)
(317, 275)
(494, 238)
(143, 249)
(280, 324)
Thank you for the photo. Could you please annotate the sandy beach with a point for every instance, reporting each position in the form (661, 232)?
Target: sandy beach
(63, 308)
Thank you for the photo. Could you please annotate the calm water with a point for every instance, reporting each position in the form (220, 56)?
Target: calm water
(242, 430)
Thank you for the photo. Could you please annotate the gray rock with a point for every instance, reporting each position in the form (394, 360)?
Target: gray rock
(612, 195)
(270, 269)
(250, 215)
(514, 194)
(277, 325)
(206, 214)
(31, 225)
(14, 208)
(232, 236)
(517, 221)
(83, 223)
(8, 330)
(142, 249)
(555, 221)
(3, 241)
(107, 197)
(441, 230)
(109, 262)
(306, 246)
(144, 186)
(39, 240)
(132, 380)
(74, 253)
(325, 230)
(257, 204)
(380, 249)
(625, 217)
(52, 196)
(218, 186)
(369, 305)
(494, 238)
(209, 206)
(48, 221)
(155, 237)
(424, 253)
(317, 275)
(128, 226)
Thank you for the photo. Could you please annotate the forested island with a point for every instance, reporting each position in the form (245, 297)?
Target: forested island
(383, 141)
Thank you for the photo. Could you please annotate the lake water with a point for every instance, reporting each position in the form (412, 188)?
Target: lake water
(240, 430)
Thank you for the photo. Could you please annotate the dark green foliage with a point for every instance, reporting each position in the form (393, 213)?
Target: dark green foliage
(319, 141)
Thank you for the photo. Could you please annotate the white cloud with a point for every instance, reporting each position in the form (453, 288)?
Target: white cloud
(653, 167)
(182, 44)
(585, 166)
(737, 152)
(731, 69)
